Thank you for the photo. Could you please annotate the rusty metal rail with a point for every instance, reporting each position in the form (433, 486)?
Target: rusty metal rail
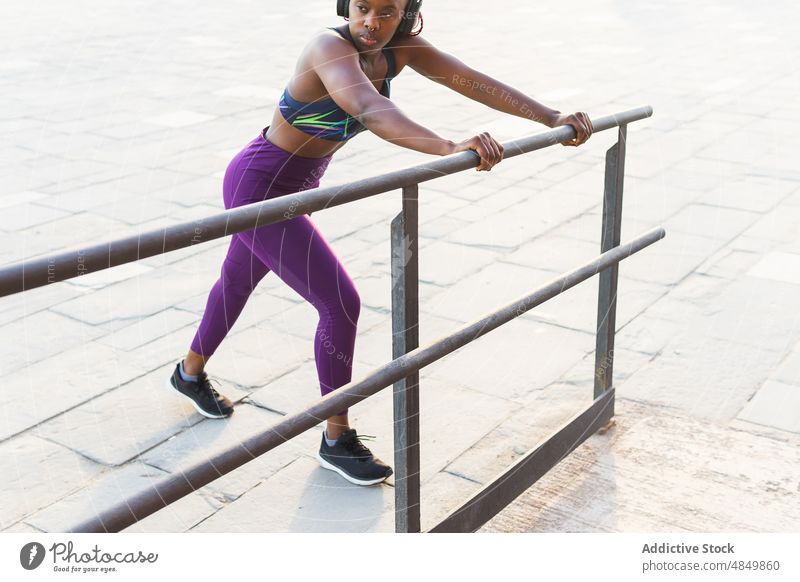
(408, 358)
(180, 484)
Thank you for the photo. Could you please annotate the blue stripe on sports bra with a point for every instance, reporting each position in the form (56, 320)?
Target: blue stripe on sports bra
(324, 118)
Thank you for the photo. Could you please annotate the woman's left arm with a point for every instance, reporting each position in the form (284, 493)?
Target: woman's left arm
(449, 71)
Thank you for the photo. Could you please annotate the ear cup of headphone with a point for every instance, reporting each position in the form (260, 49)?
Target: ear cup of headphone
(343, 7)
(410, 16)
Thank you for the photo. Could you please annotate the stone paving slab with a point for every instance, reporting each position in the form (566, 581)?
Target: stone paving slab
(21, 527)
(728, 263)
(652, 203)
(760, 312)
(706, 377)
(789, 369)
(28, 215)
(452, 418)
(164, 352)
(712, 222)
(646, 334)
(122, 303)
(97, 496)
(555, 253)
(776, 225)
(582, 375)
(530, 218)
(492, 287)
(69, 233)
(658, 471)
(203, 190)
(375, 291)
(137, 209)
(374, 347)
(304, 497)
(254, 356)
(36, 474)
(442, 494)
(100, 279)
(81, 195)
(110, 307)
(705, 307)
(670, 260)
(692, 300)
(43, 390)
(145, 412)
(178, 516)
(526, 427)
(499, 283)
(148, 329)
(778, 266)
(203, 440)
(444, 263)
(577, 307)
(756, 194)
(776, 404)
(289, 393)
(15, 307)
(263, 308)
(501, 363)
(706, 323)
(61, 332)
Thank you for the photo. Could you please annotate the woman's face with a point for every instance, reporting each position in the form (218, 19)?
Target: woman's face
(373, 23)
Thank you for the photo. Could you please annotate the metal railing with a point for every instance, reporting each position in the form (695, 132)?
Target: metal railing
(408, 358)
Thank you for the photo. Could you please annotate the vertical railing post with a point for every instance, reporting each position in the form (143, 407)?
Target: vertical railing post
(405, 337)
(610, 238)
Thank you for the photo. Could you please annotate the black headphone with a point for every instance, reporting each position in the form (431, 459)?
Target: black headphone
(409, 15)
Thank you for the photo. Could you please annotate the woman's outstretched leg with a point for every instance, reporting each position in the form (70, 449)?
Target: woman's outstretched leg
(240, 273)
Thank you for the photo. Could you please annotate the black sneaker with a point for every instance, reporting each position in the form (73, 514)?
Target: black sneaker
(206, 400)
(352, 460)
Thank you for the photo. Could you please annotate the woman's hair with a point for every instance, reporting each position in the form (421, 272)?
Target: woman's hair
(417, 20)
(421, 24)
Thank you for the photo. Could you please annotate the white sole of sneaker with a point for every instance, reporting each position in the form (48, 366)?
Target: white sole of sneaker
(200, 410)
(325, 464)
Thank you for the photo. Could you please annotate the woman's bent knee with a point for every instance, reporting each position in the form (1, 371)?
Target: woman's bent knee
(351, 304)
(343, 303)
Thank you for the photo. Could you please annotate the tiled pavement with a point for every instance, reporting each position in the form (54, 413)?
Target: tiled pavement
(120, 119)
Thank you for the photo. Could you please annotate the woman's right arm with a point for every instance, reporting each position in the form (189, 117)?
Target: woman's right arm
(337, 66)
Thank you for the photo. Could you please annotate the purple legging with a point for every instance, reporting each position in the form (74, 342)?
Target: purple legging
(294, 250)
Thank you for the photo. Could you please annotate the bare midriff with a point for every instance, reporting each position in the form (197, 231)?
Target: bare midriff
(291, 139)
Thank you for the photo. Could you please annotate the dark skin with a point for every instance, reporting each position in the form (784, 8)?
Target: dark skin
(330, 66)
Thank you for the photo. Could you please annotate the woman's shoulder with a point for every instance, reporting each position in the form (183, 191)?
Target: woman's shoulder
(406, 48)
(328, 37)
(408, 42)
(325, 47)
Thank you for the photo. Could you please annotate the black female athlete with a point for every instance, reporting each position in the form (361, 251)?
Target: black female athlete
(340, 88)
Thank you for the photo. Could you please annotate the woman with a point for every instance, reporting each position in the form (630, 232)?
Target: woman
(340, 88)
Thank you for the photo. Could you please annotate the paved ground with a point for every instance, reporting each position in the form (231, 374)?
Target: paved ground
(120, 119)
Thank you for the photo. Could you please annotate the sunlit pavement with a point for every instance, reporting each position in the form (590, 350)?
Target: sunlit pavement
(122, 119)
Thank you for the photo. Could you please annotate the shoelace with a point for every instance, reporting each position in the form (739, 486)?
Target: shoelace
(204, 383)
(354, 444)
